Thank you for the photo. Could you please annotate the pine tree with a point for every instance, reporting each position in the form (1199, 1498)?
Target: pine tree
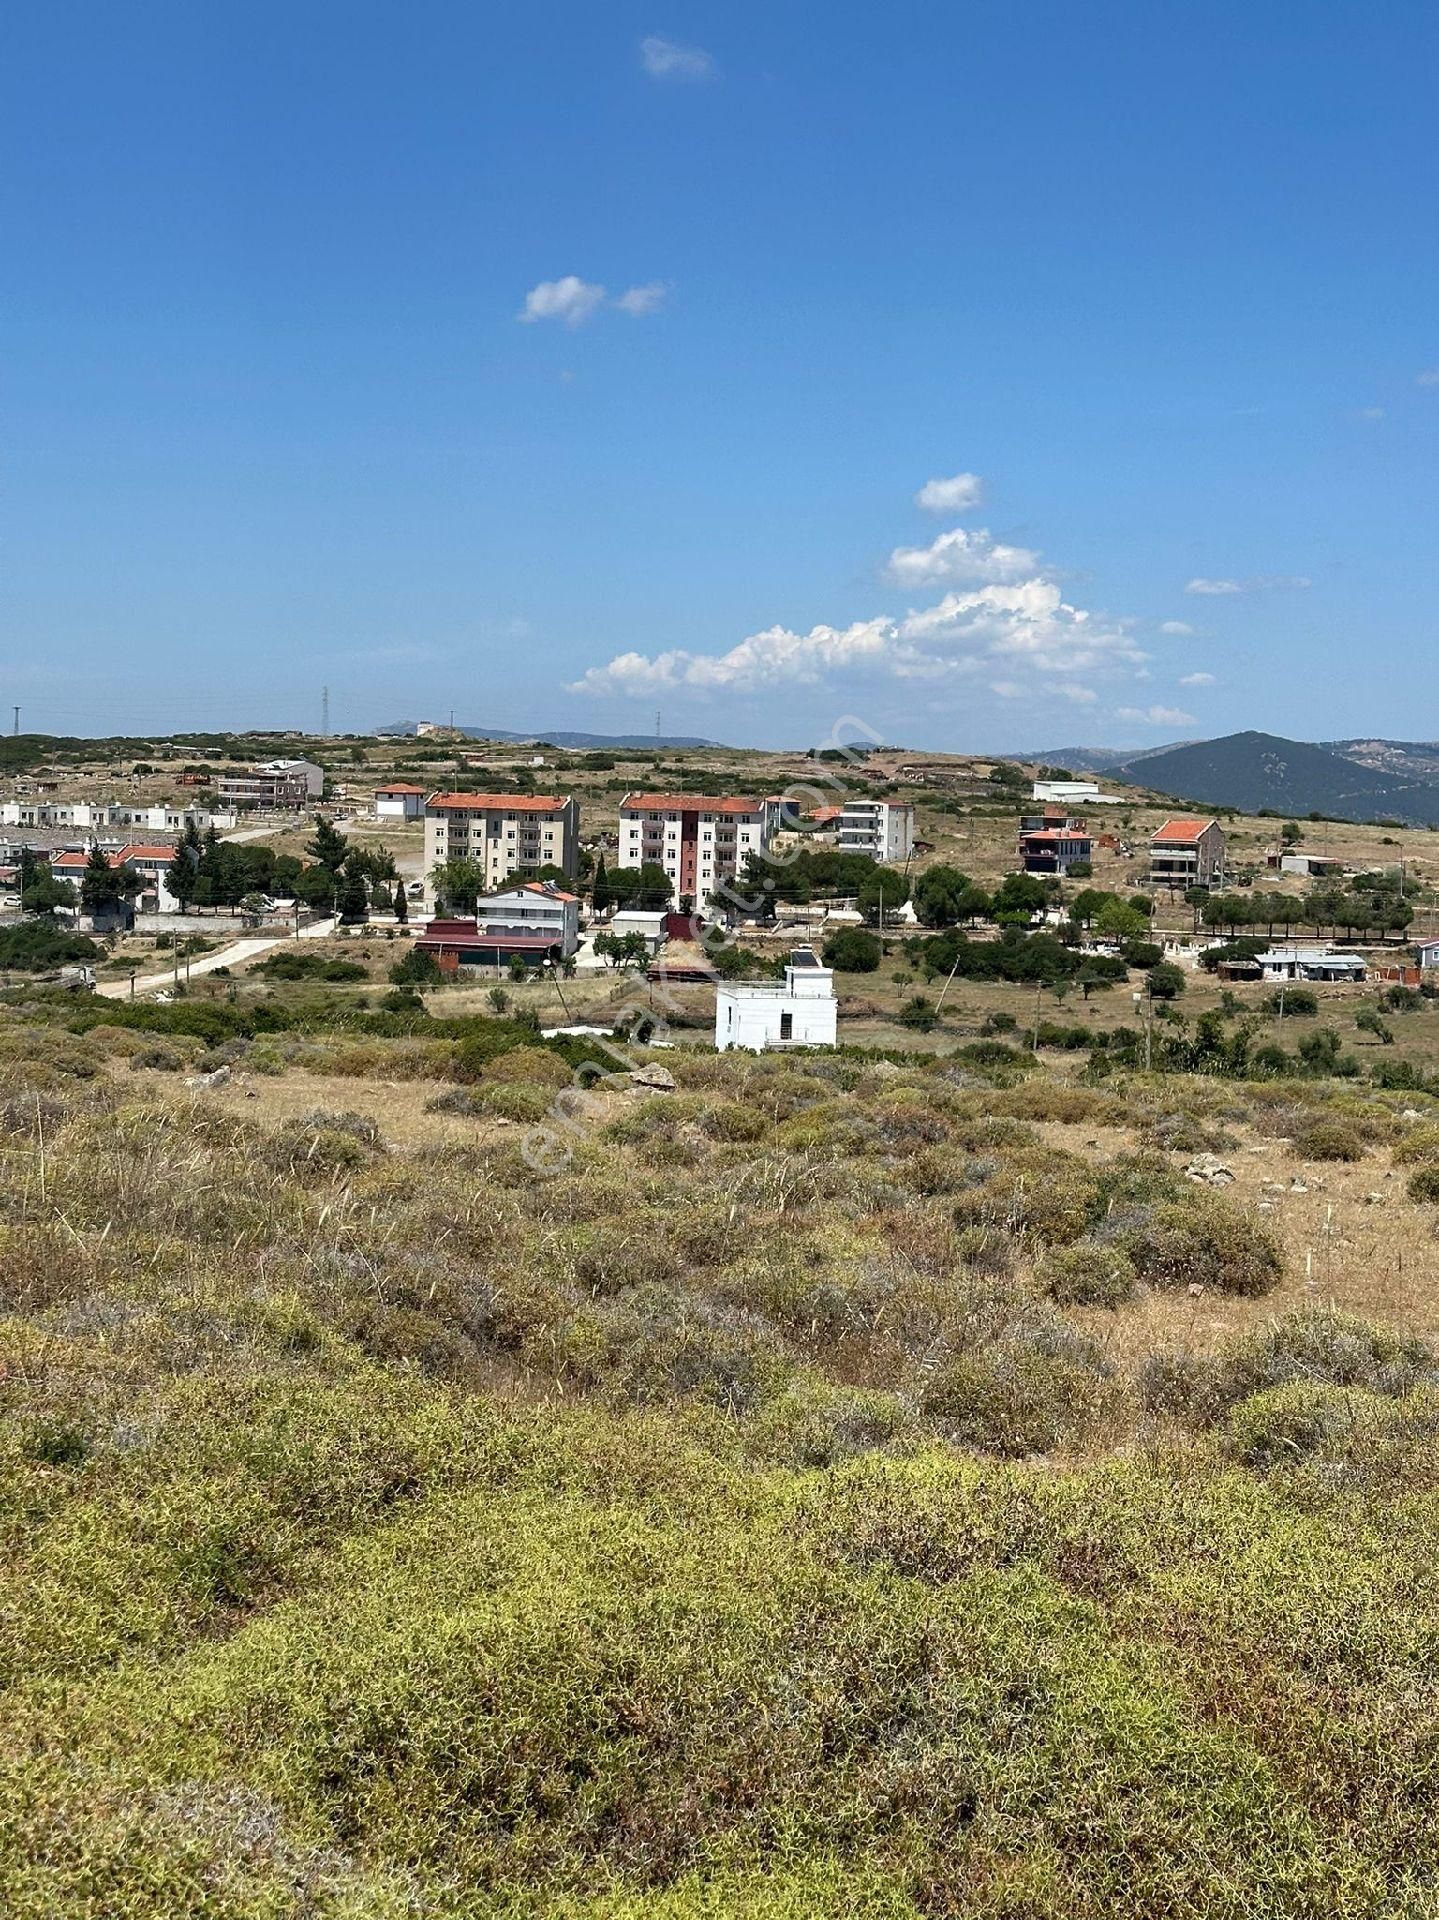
(329, 846)
(183, 869)
(402, 906)
(602, 887)
(351, 901)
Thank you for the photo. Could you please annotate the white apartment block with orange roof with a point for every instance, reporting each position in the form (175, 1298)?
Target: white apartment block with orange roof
(503, 833)
(701, 840)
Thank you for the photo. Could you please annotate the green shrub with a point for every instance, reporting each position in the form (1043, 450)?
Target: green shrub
(301, 963)
(1423, 1185)
(852, 950)
(1418, 1146)
(1202, 1239)
(1041, 1385)
(1087, 1274)
(1314, 1345)
(1328, 1140)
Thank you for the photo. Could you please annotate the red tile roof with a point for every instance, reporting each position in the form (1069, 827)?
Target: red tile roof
(497, 802)
(1183, 830)
(146, 853)
(400, 786)
(687, 803)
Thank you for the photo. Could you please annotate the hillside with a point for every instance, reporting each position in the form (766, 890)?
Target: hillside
(860, 1488)
(402, 729)
(1256, 771)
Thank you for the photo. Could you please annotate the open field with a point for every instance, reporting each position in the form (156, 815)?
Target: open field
(938, 1480)
(844, 1486)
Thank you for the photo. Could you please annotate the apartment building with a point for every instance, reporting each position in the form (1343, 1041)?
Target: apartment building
(884, 829)
(701, 840)
(91, 814)
(1187, 853)
(276, 786)
(503, 833)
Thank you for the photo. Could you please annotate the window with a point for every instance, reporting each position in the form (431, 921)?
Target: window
(786, 1026)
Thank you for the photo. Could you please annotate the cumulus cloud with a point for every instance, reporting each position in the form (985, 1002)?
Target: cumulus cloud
(638, 301)
(1428, 378)
(773, 658)
(955, 495)
(568, 299)
(667, 60)
(1196, 680)
(961, 556)
(1004, 624)
(1256, 583)
(1155, 716)
(1178, 629)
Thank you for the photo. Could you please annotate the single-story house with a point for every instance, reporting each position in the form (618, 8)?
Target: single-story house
(1309, 963)
(800, 1011)
(400, 801)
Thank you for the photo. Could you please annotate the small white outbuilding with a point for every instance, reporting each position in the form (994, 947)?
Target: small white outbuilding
(799, 1012)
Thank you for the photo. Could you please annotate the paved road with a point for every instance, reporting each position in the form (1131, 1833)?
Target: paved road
(231, 956)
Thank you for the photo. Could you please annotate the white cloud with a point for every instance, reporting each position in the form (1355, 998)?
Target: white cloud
(955, 495)
(1429, 377)
(1007, 627)
(1177, 629)
(569, 299)
(772, 658)
(960, 556)
(1155, 716)
(1256, 583)
(1196, 680)
(1370, 413)
(667, 60)
(638, 301)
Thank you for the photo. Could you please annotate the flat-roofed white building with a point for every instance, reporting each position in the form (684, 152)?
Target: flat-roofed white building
(883, 829)
(800, 1011)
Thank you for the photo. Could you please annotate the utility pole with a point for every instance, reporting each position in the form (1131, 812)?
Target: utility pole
(17, 720)
(324, 713)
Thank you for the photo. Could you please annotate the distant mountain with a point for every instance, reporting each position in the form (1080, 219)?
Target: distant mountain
(1408, 759)
(1076, 759)
(405, 729)
(1252, 771)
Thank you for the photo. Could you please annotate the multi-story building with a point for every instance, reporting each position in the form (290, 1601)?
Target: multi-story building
(1187, 853)
(884, 829)
(533, 923)
(1053, 846)
(701, 840)
(276, 786)
(503, 833)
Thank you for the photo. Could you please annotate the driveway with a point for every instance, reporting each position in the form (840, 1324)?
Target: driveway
(232, 956)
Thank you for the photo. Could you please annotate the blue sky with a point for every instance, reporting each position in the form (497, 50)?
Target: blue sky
(560, 364)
